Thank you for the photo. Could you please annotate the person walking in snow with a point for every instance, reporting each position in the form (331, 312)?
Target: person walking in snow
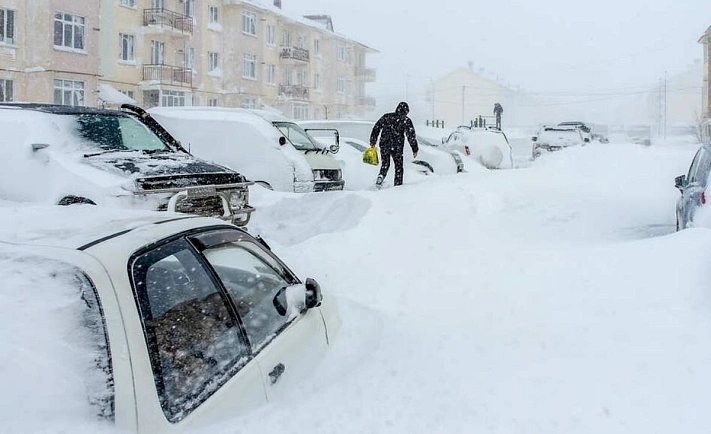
(497, 111)
(392, 129)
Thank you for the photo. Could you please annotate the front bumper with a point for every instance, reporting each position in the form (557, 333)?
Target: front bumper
(329, 185)
(226, 201)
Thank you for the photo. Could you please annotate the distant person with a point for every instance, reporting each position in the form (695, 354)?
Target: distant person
(392, 129)
(497, 111)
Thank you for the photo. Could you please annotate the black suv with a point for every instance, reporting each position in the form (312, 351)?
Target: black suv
(66, 155)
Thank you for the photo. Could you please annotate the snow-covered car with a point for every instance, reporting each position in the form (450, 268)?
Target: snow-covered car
(64, 155)
(488, 146)
(692, 187)
(585, 130)
(151, 322)
(556, 138)
(245, 141)
(440, 161)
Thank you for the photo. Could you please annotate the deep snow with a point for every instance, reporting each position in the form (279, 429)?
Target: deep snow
(554, 298)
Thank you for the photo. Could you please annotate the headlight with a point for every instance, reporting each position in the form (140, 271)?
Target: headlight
(238, 199)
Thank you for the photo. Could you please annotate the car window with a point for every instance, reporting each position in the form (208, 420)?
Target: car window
(297, 136)
(698, 172)
(252, 279)
(194, 341)
(117, 133)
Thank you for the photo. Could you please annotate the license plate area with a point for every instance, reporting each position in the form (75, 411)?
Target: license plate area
(202, 191)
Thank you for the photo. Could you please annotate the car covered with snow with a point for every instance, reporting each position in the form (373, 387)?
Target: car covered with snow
(585, 129)
(693, 187)
(278, 152)
(556, 138)
(64, 155)
(430, 155)
(488, 146)
(150, 322)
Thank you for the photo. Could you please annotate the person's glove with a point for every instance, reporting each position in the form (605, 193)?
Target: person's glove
(414, 155)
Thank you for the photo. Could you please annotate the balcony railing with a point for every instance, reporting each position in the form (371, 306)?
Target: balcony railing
(166, 18)
(363, 73)
(294, 91)
(167, 74)
(295, 53)
(367, 101)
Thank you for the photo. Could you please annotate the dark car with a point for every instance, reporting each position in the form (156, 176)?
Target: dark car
(66, 155)
(693, 187)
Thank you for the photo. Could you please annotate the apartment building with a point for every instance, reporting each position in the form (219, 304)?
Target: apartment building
(181, 52)
(49, 51)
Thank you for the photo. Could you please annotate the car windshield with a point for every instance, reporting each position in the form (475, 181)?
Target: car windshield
(116, 132)
(297, 136)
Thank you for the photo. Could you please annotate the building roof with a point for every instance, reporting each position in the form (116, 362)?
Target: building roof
(706, 37)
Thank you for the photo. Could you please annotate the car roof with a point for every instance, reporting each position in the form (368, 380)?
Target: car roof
(60, 109)
(79, 226)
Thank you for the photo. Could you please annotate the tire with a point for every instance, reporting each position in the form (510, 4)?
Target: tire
(424, 164)
(75, 200)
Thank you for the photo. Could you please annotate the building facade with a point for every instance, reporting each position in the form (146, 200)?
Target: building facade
(227, 53)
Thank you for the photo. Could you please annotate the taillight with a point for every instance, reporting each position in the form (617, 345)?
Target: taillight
(466, 150)
(703, 198)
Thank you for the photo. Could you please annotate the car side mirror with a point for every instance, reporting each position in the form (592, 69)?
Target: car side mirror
(282, 141)
(534, 139)
(587, 140)
(290, 300)
(38, 146)
(314, 296)
(680, 182)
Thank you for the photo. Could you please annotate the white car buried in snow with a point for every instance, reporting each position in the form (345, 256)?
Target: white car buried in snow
(556, 138)
(488, 146)
(155, 322)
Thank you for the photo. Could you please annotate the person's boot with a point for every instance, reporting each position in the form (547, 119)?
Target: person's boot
(379, 182)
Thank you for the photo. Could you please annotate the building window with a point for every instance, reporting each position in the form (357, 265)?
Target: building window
(211, 61)
(212, 102)
(317, 81)
(128, 93)
(172, 98)
(317, 47)
(301, 41)
(271, 35)
(341, 52)
(7, 90)
(300, 111)
(158, 4)
(189, 8)
(190, 58)
(213, 15)
(249, 23)
(129, 3)
(7, 26)
(249, 66)
(341, 84)
(126, 48)
(157, 52)
(249, 103)
(286, 38)
(69, 92)
(271, 74)
(69, 31)
(287, 76)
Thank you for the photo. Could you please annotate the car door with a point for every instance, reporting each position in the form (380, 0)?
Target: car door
(692, 194)
(286, 346)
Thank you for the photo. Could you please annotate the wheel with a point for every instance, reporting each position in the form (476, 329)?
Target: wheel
(74, 200)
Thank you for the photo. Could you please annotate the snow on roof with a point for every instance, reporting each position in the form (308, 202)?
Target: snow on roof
(317, 21)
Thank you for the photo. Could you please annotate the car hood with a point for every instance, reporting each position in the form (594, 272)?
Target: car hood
(163, 170)
(321, 160)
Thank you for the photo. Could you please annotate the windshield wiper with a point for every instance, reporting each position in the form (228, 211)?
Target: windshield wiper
(108, 151)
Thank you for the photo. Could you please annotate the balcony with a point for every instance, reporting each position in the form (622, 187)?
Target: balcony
(295, 92)
(366, 74)
(295, 53)
(166, 18)
(166, 74)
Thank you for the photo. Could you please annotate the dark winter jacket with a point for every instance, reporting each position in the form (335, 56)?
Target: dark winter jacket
(392, 129)
(498, 109)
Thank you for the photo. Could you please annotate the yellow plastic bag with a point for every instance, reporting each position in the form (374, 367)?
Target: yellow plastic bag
(370, 156)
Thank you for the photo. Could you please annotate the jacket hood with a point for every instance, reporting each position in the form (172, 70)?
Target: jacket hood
(402, 109)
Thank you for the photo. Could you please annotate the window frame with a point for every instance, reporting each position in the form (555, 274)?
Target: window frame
(249, 66)
(8, 25)
(5, 95)
(77, 22)
(64, 88)
(130, 40)
(271, 35)
(249, 23)
(341, 84)
(213, 14)
(128, 3)
(271, 74)
(341, 52)
(213, 61)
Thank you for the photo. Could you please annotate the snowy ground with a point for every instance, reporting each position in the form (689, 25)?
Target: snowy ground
(550, 299)
(555, 298)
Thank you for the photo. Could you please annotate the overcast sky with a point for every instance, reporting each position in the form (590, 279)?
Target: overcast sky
(543, 46)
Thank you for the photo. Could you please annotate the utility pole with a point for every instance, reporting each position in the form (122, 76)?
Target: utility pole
(665, 105)
(433, 99)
